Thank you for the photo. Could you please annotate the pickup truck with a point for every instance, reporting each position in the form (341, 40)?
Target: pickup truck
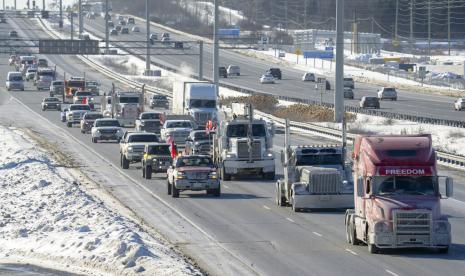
(199, 142)
(195, 173)
(149, 121)
(178, 130)
(75, 113)
(106, 129)
(88, 120)
(157, 158)
(132, 146)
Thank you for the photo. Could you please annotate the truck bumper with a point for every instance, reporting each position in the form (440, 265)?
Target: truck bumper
(134, 157)
(389, 240)
(260, 166)
(127, 121)
(196, 185)
(334, 201)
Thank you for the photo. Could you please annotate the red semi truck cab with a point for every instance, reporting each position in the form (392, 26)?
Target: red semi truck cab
(396, 195)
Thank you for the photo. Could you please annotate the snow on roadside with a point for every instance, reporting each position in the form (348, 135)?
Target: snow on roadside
(45, 214)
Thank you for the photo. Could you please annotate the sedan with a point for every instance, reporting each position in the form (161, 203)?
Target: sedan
(348, 93)
(13, 34)
(369, 102)
(308, 77)
(114, 32)
(267, 79)
(51, 103)
(125, 30)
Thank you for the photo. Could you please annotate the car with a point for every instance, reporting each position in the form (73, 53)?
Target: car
(85, 37)
(267, 79)
(114, 32)
(57, 88)
(12, 59)
(106, 129)
(459, 104)
(111, 24)
(388, 93)
(349, 82)
(14, 80)
(153, 38)
(84, 96)
(149, 121)
(90, 16)
(131, 20)
(165, 40)
(13, 34)
(51, 103)
(156, 159)
(159, 101)
(234, 70)
(63, 114)
(75, 113)
(44, 82)
(199, 142)
(275, 72)
(135, 29)
(177, 130)
(178, 45)
(42, 62)
(308, 77)
(369, 102)
(120, 17)
(348, 93)
(93, 87)
(195, 173)
(125, 30)
(118, 28)
(122, 22)
(222, 72)
(132, 146)
(30, 73)
(165, 35)
(87, 121)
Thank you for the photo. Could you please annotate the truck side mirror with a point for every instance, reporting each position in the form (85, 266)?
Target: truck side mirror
(449, 187)
(360, 187)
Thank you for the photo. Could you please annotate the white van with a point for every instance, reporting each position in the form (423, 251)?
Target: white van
(14, 80)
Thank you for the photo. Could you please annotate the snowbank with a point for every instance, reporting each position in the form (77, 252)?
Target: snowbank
(46, 214)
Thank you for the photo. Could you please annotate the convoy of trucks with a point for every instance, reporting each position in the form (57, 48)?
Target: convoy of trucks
(123, 106)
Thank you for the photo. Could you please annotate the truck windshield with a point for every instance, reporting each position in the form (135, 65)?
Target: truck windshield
(406, 185)
(202, 103)
(179, 124)
(194, 162)
(143, 138)
(46, 73)
(83, 94)
(159, 150)
(202, 135)
(79, 107)
(76, 83)
(107, 123)
(93, 116)
(318, 159)
(129, 99)
(150, 116)
(240, 130)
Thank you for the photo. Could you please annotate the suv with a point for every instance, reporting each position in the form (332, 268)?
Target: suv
(149, 121)
(125, 30)
(369, 102)
(222, 72)
(159, 101)
(153, 37)
(349, 82)
(74, 113)
(276, 72)
(157, 158)
(234, 70)
(132, 146)
(51, 103)
(387, 93)
(106, 129)
(30, 73)
(348, 93)
(308, 77)
(193, 172)
(14, 80)
(57, 87)
(88, 120)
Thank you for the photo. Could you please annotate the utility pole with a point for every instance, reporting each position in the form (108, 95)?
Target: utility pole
(43, 5)
(147, 21)
(72, 25)
(15, 4)
(200, 60)
(107, 34)
(81, 21)
(338, 92)
(429, 27)
(305, 14)
(411, 23)
(397, 17)
(215, 48)
(60, 24)
(448, 24)
(285, 13)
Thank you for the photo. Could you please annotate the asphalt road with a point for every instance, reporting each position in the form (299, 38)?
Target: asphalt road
(245, 220)
(291, 85)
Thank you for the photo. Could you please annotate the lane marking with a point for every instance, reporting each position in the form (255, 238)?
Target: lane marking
(351, 252)
(266, 207)
(226, 186)
(318, 234)
(390, 272)
(289, 219)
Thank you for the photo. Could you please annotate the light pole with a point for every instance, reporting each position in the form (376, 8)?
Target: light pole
(338, 92)
(81, 21)
(215, 48)
(60, 24)
(107, 34)
(147, 19)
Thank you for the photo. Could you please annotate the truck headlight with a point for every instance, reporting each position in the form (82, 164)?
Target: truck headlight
(381, 227)
(230, 155)
(269, 154)
(212, 175)
(441, 227)
(130, 148)
(180, 175)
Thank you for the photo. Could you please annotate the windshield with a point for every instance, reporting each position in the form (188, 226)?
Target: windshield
(406, 185)
(160, 150)
(16, 78)
(183, 124)
(389, 90)
(195, 161)
(51, 100)
(159, 98)
(79, 107)
(31, 70)
(107, 123)
(83, 94)
(150, 116)
(202, 135)
(318, 159)
(56, 83)
(129, 99)
(240, 130)
(46, 73)
(371, 99)
(76, 83)
(202, 103)
(93, 116)
(143, 138)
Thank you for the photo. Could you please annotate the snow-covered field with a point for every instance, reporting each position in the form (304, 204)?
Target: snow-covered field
(49, 217)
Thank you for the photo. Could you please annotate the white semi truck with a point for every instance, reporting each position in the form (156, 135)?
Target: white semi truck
(123, 106)
(197, 99)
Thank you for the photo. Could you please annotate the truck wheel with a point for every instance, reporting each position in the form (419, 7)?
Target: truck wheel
(124, 162)
(351, 236)
(280, 200)
(143, 171)
(373, 249)
(296, 210)
(69, 124)
(169, 187)
(444, 250)
(269, 175)
(148, 172)
(217, 192)
(94, 140)
(175, 191)
(225, 176)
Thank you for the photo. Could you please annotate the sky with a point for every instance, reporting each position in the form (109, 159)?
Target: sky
(20, 4)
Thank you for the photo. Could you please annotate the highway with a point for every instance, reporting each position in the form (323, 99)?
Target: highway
(244, 220)
(251, 69)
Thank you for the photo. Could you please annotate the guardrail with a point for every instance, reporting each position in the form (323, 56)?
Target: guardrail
(456, 161)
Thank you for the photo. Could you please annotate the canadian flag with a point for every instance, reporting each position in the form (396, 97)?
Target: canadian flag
(173, 149)
(84, 100)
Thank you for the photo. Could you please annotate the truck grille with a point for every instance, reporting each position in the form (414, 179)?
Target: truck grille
(107, 131)
(197, 175)
(179, 136)
(138, 149)
(243, 150)
(202, 117)
(325, 184)
(412, 222)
